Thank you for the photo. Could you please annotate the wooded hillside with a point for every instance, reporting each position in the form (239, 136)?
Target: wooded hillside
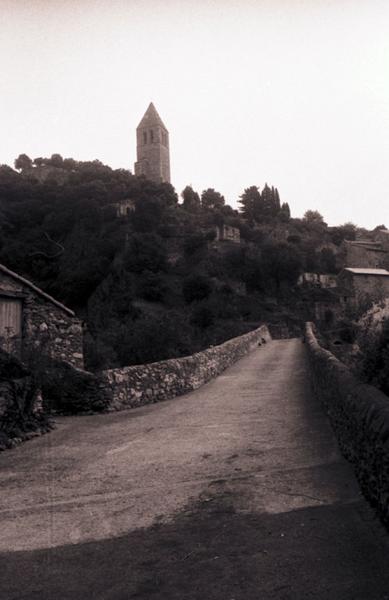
(153, 282)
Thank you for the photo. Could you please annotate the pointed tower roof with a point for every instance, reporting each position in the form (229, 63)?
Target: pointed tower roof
(151, 117)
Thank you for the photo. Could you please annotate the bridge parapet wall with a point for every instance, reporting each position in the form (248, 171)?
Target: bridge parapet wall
(129, 387)
(359, 414)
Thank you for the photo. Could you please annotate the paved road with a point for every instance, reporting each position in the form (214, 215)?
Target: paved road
(235, 491)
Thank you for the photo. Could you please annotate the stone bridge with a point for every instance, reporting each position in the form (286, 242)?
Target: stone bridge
(234, 491)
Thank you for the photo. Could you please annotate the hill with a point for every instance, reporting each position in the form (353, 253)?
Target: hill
(153, 277)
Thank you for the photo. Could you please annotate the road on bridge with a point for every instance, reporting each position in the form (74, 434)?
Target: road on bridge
(236, 491)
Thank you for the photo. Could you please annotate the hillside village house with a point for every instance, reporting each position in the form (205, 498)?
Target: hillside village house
(227, 233)
(357, 286)
(33, 321)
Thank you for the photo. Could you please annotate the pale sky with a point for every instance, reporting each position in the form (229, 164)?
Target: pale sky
(290, 92)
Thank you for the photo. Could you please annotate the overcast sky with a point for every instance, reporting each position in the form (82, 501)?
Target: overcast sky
(290, 92)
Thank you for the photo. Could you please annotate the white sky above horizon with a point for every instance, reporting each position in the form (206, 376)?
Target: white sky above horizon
(294, 93)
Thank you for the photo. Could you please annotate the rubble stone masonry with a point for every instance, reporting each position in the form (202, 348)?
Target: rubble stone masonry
(359, 414)
(134, 386)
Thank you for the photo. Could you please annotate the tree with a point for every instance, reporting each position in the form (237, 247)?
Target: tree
(23, 162)
(251, 202)
(191, 199)
(196, 287)
(285, 212)
(146, 252)
(269, 208)
(282, 263)
(327, 261)
(212, 199)
(56, 160)
(343, 232)
(313, 217)
(69, 164)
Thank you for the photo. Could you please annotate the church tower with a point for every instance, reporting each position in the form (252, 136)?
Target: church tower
(152, 147)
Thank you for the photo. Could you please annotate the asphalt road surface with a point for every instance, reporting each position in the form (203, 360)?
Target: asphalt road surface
(236, 491)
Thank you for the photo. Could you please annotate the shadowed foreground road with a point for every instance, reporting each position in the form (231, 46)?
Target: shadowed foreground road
(236, 491)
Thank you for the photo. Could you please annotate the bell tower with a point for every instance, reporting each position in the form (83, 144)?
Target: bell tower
(152, 147)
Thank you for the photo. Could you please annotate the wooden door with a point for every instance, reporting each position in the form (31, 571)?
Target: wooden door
(11, 324)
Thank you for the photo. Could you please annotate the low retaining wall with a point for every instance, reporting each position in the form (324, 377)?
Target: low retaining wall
(359, 414)
(129, 387)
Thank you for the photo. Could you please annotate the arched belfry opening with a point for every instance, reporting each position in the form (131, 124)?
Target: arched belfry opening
(152, 147)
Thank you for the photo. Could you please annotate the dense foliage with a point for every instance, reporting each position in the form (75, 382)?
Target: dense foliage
(152, 282)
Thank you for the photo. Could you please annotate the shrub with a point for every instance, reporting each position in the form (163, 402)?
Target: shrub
(68, 390)
(203, 316)
(196, 287)
(152, 287)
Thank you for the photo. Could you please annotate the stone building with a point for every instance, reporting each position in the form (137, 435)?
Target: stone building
(152, 147)
(320, 280)
(121, 209)
(227, 233)
(358, 287)
(33, 323)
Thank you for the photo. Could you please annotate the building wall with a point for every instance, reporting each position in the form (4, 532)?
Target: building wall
(152, 152)
(46, 328)
(372, 286)
(318, 279)
(227, 233)
(358, 290)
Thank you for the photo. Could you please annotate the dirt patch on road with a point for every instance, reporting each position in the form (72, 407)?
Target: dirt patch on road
(211, 552)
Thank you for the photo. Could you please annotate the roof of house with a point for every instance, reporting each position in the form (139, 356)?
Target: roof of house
(37, 290)
(368, 244)
(365, 271)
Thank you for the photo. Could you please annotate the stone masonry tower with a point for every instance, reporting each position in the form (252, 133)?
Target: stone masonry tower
(152, 147)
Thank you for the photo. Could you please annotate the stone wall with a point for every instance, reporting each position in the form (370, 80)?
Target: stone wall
(134, 386)
(359, 414)
(53, 331)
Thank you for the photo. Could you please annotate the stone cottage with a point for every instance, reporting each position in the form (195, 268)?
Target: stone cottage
(358, 287)
(31, 321)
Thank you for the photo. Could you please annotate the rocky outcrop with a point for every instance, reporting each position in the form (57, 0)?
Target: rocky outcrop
(129, 387)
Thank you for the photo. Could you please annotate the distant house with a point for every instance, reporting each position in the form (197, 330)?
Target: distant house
(31, 321)
(359, 286)
(124, 208)
(227, 233)
(318, 279)
(121, 209)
